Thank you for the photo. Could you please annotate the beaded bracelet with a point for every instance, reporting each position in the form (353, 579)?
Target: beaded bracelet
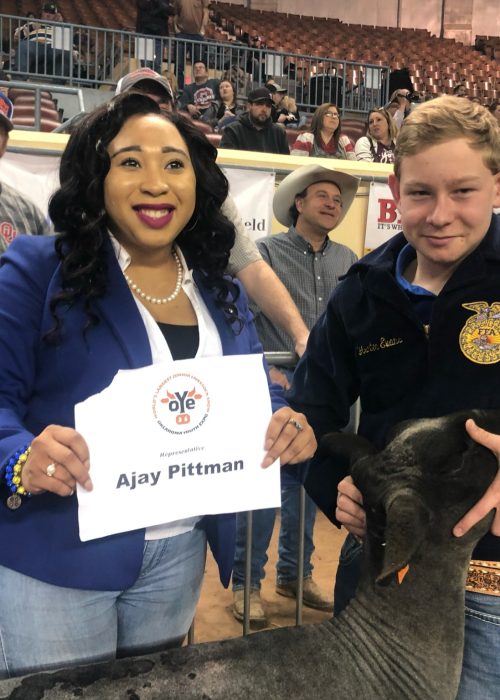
(13, 473)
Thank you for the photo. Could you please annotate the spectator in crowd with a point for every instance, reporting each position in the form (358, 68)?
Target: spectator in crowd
(284, 110)
(24, 30)
(229, 107)
(380, 141)
(254, 130)
(78, 320)
(198, 98)
(399, 106)
(325, 140)
(460, 90)
(152, 19)
(190, 21)
(412, 331)
(245, 261)
(35, 54)
(312, 201)
(17, 214)
(495, 110)
(148, 82)
(255, 62)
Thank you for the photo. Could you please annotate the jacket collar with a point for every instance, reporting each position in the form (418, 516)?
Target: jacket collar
(119, 310)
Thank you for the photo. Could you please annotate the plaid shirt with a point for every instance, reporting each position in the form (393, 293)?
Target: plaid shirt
(309, 276)
(17, 216)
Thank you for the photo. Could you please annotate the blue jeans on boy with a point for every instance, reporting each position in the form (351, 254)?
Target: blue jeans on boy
(262, 530)
(481, 665)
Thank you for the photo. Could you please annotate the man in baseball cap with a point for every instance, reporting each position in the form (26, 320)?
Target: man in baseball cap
(254, 130)
(311, 201)
(148, 82)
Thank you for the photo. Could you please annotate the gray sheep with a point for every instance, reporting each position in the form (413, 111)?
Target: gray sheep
(396, 641)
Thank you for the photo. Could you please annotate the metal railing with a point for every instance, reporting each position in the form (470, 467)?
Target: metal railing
(87, 56)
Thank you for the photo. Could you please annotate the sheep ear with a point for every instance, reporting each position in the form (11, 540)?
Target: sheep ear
(407, 520)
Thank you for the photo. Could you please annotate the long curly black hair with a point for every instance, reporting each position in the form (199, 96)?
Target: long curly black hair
(77, 210)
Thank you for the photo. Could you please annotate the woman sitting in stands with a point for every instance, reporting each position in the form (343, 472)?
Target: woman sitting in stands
(380, 141)
(325, 139)
(138, 209)
(229, 107)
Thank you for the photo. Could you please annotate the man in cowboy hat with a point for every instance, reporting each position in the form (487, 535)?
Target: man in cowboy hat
(311, 201)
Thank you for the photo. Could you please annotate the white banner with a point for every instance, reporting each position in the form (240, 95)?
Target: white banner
(182, 439)
(36, 177)
(253, 193)
(382, 221)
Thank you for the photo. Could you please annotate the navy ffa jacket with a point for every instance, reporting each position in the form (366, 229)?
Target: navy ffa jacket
(371, 343)
(40, 384)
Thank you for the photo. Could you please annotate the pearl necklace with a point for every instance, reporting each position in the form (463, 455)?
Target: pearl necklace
(160, 300)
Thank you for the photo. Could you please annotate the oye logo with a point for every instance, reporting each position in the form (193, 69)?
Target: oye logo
(181, 403)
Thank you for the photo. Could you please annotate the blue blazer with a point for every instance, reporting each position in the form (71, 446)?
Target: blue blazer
(40, 384)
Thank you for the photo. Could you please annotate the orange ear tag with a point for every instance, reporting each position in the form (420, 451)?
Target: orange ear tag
(402, 573)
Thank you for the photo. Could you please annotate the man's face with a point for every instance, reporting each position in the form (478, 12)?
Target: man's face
(200, 71)
(445, 196)
(461, 91)
(260, 112)
(320, 210)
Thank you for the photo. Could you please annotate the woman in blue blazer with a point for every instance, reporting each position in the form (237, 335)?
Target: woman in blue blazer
(135, 276)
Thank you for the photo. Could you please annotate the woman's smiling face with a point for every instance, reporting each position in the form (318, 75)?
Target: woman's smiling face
(150, 189)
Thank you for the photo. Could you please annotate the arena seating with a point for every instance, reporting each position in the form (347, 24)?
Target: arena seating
(25, 109)
(436, 65)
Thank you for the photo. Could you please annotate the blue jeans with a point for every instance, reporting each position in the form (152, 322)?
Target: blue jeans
(44, 626)
(36, 57)
(481, 666)
(348, 573)
(263, 524)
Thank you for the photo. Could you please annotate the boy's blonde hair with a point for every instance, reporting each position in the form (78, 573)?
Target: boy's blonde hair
(444, 119)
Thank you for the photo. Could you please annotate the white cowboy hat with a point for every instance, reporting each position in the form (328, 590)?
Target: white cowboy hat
(301, 178)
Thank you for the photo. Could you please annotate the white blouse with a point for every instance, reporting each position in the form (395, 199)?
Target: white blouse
(209, 346)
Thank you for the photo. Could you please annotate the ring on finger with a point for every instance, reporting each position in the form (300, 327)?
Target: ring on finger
(51, 469)
(296, 424)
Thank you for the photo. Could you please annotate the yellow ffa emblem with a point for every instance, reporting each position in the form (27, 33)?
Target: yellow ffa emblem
(480, 337)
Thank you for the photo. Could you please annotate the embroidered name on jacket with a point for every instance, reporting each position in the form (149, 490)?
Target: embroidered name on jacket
(381, 344)
(480, 337)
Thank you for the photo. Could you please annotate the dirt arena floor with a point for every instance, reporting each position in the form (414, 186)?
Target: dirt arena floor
(214, 619)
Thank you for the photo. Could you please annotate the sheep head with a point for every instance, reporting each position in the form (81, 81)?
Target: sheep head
(429, 474)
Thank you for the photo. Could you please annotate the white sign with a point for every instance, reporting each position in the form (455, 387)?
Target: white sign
(181, 439)
(144, 49)
(253, 194)
(36, 177)
(382, 221)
